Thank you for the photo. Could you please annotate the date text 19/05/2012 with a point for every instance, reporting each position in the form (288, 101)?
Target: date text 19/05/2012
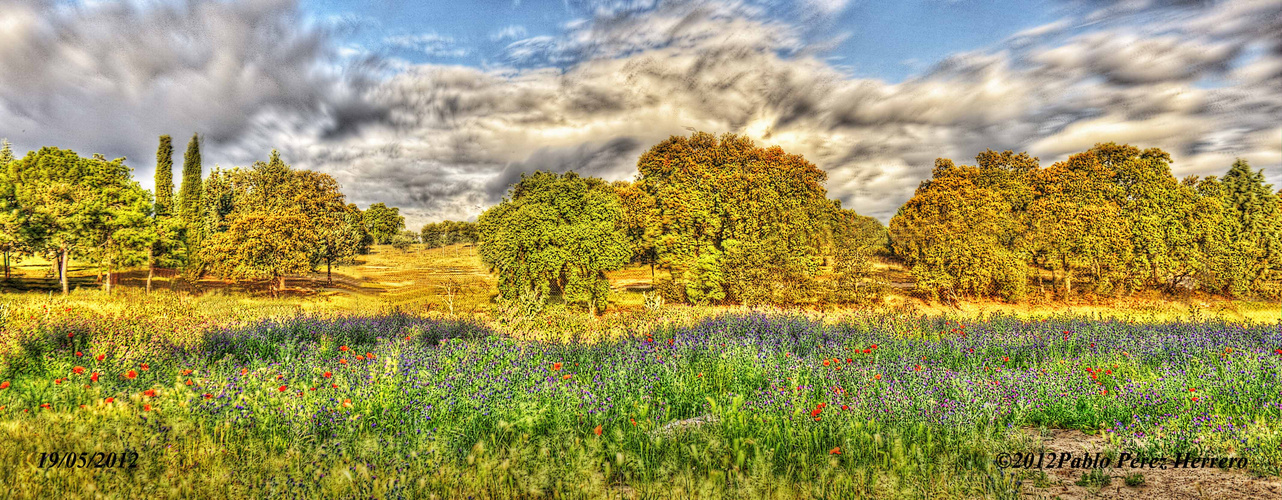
(98, 460)
(1067, 460)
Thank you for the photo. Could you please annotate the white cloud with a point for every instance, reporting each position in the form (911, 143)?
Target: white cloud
(443, 141)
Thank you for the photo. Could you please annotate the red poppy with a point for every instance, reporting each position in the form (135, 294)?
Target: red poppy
(4, 385)
(131, 374)
(1194, 399)
(45, 405)
(327, 374)
(110, 400)
(835, 451)
(334, 385)
(844, 407)
(1108, 372)
(815, 412)
(826, 362)
(1192, 389)
(874, 346)
(79, 354)
(1005, 359)
(347, 402)
(100, 357)
(369, 355)
(244, 371)
(282, 388)
(188, 382)
(342, 361)
(877, 376)
(918, 368)
(850, 360)
(94, 377)
(151, 393)
(597, 430)
(186, 372)
(343, 348)
(209, 396)
(360, 358)
(146, 407)
(145, 367)
(866, 351)
(556, 366)
(565, 377)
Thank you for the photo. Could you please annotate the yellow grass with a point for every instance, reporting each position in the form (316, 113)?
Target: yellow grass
(416, 280)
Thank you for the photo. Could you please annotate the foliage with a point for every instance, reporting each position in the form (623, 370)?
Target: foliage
(272, 221)
(1113, 218)
(383, 223)
(555, 233)
(67, 206)
(734, 221)
(190, 206)
(445, 233)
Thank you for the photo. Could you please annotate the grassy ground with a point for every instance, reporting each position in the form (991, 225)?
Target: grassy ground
(225, 391)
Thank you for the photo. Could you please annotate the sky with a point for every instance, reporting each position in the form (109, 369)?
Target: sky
(437, 107)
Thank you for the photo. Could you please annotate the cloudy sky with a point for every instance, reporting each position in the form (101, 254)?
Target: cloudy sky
(436, 106)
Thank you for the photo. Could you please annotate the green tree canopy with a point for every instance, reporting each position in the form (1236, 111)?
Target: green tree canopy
(556, 233)
(734, 220)
(383, 223)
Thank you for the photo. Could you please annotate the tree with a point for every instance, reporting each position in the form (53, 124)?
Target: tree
(11, 243)
(165, 230)
(719, 203)
(165, 177)
(1077, 223)
(354, 222)
(1252, 228)
(555, 233)
(260, 246)
(639, 216)
(959, 231)
(71, 206)
(383, 223)
(190, 205)
(240, 205)
(856, 238)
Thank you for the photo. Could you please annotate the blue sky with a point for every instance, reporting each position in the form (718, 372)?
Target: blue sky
(886, 40)
(437, 107)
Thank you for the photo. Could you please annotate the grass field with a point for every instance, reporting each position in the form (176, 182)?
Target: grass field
(369, 387)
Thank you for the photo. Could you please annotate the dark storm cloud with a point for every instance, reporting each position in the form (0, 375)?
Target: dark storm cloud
(612, 160)
(111, 77)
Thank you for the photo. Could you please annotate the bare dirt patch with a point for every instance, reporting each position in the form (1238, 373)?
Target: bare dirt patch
(1159, 484)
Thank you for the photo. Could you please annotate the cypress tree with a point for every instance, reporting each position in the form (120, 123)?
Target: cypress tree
(189, 199)
(164, 176)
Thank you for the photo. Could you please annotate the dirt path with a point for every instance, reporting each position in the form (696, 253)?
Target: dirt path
(1158, 484)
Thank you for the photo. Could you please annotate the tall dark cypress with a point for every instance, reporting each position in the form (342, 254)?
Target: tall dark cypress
(165, 177)
(189, 202)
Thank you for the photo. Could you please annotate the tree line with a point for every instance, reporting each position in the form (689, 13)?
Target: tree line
(726, 220)
(717, 219)
(1108, 221)
(264, 222)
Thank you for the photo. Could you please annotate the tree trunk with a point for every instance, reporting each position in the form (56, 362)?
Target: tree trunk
(107, 286)
(282, 283)
(62, 269)
(329, 276)
(151, 266)
(6, 265)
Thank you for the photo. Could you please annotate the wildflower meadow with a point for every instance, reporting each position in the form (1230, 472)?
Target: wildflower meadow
(662, 404)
